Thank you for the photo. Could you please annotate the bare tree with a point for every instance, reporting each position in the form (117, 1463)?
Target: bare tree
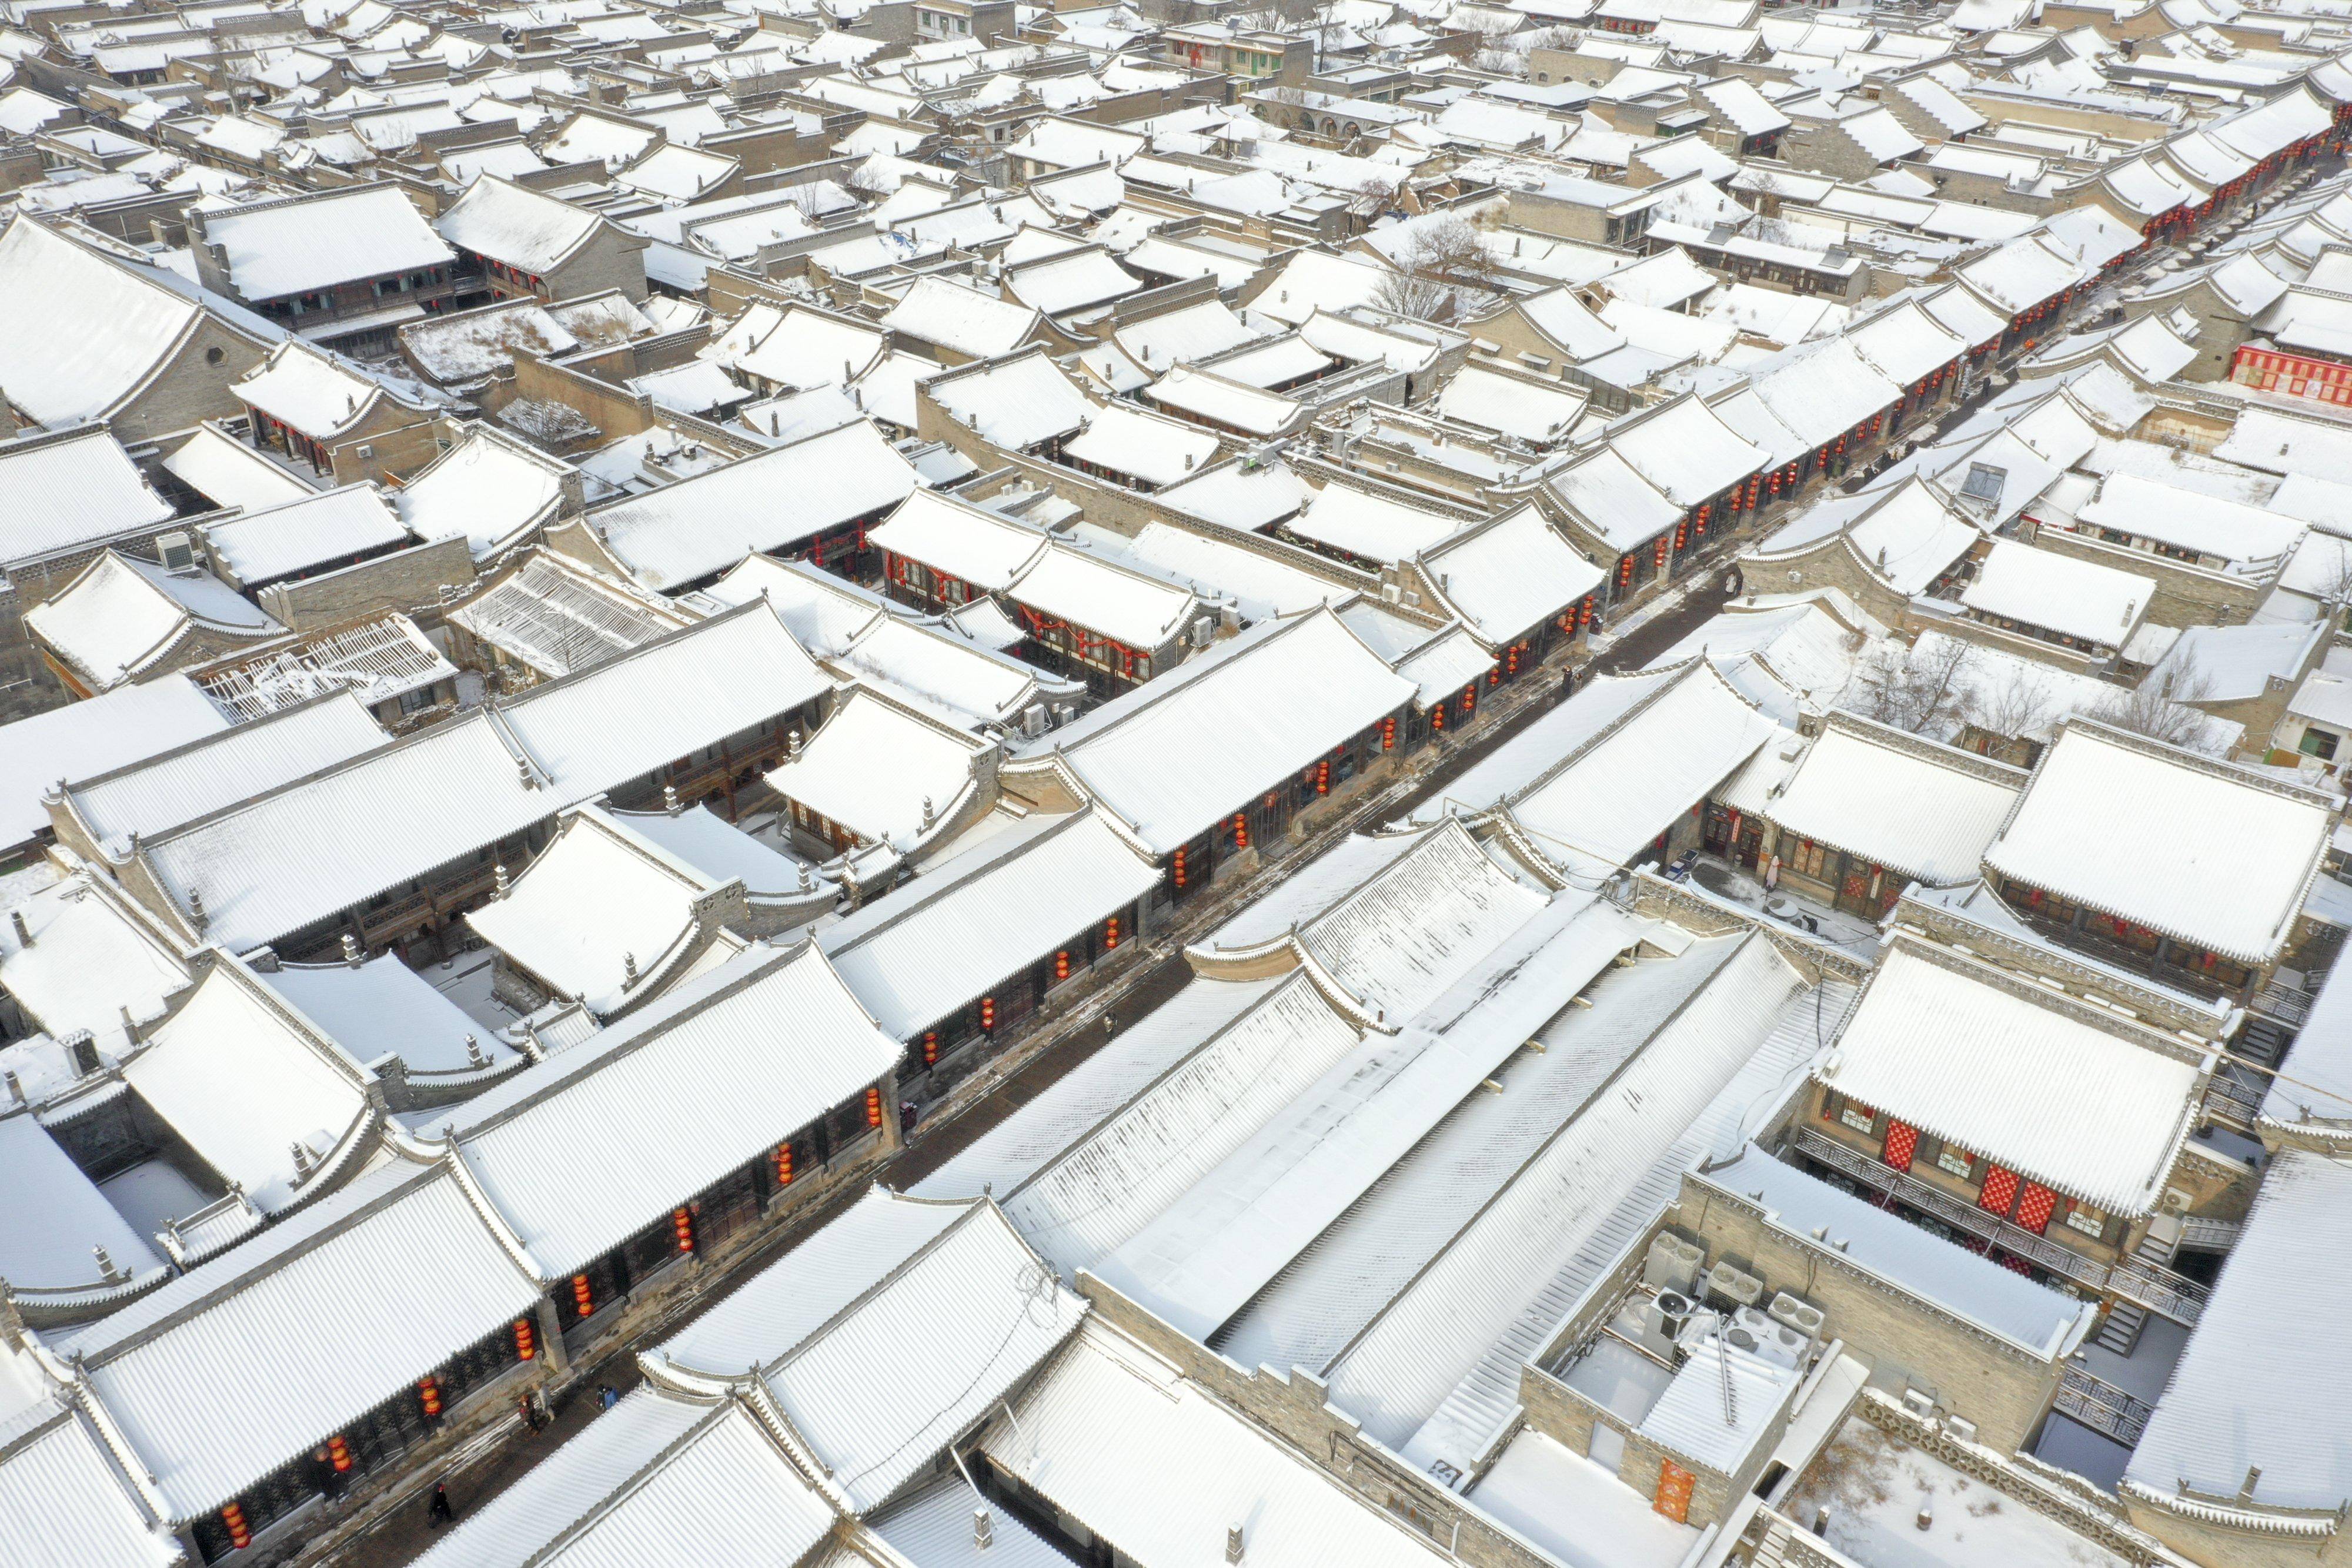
(2015, 709)
(2158, 707)
(1407, 293)
(1925, 692)
(1373, 197)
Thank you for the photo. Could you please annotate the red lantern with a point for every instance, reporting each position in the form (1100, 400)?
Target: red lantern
(1323, 777)
(1179, 867)
(783, 1165)
(339, 1453)
(1437, 717)
(428, 1394)
(681, 1225)
(584, 1299)
(1062, 965)
(1241, 830)
(873, 1107)
(526, 1343)
(1110, 933)
(234, 1518)
(1387, 732)
(930, 1048)
(988, 1015)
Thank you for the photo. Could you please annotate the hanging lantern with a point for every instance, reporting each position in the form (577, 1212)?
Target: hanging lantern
(1062, 965)
(1180, 865)
(428, 1394)
(1585, 617)
(1437, 717)
(1110, 933)
(1663, 545)
(233, 1517)
(1511, 660)
(930, 1048)
(873, 1107)
(1682, 534)
(988, 1015)
(526, 1343)
(1323, 777)
(1241, 830)
(681, 1225)
(339, 1453)
(1387, 732)
(583, 1299)
(783, 1165)
(1469, 699)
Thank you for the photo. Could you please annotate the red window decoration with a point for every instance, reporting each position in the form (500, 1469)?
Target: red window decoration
(1902, 1144)
(2034, 1207)
(1674, 1499)
(1999, 1195)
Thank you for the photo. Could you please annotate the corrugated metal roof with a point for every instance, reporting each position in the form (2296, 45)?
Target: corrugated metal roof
(726, 1494)
(921, 951)
(1951, 1046)
(932, 1527)
(1010, 1153)
(1426, 1376)
(1119, 1441)
(582, 1150)
(1695, 1418)
(71, 493)
(224, 1374)
(2212, 856)
(1110, 1183)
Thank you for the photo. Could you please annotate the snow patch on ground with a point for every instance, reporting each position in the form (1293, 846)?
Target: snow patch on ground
(1874, 1485)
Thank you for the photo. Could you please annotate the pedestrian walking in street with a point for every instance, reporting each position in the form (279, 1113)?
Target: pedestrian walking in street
(606, 1397)
(438, 1511)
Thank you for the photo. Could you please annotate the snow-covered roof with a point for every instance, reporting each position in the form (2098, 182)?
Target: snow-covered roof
(90, 332)
(1920, 809)
(1513, 405)
(887, 772)
(1120, 1441)
(975, 325)
(682, 1091)
(314, 242)
(1370, 524)
(1016, 404)
(2243, 537)
(302, 536)
(1719, 1405)
(512, 224)
(66, 493)
(382, 1008)
(229, 473)
(923, 951)
(1216, 400)
(2250, 1395)
(702, 525)
(2099, 604)
(1507, 576)
(875, 1407)
(93, 955)
(121, 617)
(407, 1241)
(2217, 858)
(601, 914)
(1152, 447)
(1276, 698)
(1982, 1060)
(85, 738)
(312, 392)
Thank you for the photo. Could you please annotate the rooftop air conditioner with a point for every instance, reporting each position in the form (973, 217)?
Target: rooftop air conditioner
(1726, 1283)
(176, 550)
(1672, 1262)
(1802, 1316)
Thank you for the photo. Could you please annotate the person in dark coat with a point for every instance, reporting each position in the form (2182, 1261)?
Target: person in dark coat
(438, 1511)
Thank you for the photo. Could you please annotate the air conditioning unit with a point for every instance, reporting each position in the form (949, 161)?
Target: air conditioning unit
(176, 551)
(1662, 1321)
(1918, 1402)
(1726, 1283)
(1673, 1263)
(1802, 1316)
(1961, 1427)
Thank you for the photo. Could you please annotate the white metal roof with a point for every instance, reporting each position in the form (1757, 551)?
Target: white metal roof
(921, 951)
(582, 1150)
(66, 1502)
(1951, 1046)
(1921, 809)
(1696, 1418)
(2213, 856)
